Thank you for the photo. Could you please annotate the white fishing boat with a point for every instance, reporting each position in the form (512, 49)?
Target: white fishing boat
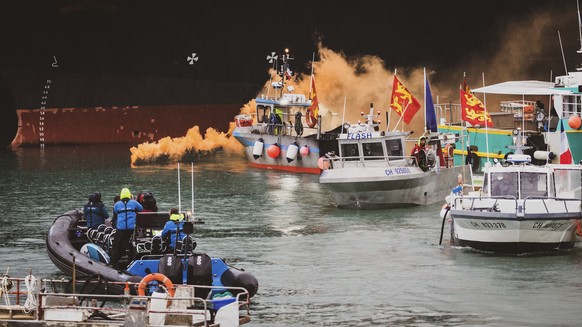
(372, 170)
(33, 301)
(521, 208)
(286, 131)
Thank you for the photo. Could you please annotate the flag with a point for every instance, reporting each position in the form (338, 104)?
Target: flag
(287, 72)
(473, 110)
(403, 102)
(313, 109)
(565, 153)
(431, 123)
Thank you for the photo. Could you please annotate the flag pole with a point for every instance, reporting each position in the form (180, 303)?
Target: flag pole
(344, 115)
(400, 119)
(424, 104)
(311, 81)
(486, 120)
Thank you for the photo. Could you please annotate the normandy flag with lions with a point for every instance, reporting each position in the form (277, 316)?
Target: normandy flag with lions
(473, 111)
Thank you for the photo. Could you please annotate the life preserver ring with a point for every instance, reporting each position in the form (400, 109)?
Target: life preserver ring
(157, 277)
(310, 118)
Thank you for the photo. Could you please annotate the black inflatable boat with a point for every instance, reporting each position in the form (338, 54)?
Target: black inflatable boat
(74, 248)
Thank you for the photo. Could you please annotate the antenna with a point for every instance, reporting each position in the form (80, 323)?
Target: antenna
(179, 198)
(562, 48)
(579, 26)
(192, 214)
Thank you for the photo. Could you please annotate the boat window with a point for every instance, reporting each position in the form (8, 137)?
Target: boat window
(263, 113)
(534, 185)
(568, 183)
(394, 148)
(485, 187)
(504, 184)
(373, 150)
(350, 151)
(571, 105)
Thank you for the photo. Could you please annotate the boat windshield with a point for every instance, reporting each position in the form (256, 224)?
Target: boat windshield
(568, 183)
(373, 150)
(504, 184)
(394, 148)
(534, 184)
(350, 151)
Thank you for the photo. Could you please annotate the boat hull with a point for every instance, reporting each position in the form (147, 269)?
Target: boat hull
(301, 164)
(381, 187)
(494, 232)
(63, 244)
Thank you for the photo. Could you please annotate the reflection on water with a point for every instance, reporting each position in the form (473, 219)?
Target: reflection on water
(316, 265)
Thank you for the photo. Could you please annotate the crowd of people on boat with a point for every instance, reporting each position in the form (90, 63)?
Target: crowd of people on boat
(123, 220)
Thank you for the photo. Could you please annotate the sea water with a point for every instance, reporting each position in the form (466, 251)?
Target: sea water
(316, 265)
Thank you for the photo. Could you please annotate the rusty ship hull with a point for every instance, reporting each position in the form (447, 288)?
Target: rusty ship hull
(55, 108)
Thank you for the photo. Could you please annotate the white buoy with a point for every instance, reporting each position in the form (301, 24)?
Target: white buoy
(292, 150)
(158, 302)
(258, 149)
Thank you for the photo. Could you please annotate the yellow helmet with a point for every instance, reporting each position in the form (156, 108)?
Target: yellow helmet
(420, 139)
(125, 193)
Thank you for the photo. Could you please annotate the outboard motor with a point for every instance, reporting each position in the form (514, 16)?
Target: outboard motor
(170, 265)
(200, 272)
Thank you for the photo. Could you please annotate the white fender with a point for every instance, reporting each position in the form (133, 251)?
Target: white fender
(258, 149)
(292, 150)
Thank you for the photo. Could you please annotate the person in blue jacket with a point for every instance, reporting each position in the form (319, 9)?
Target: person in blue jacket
(95, 211)
(172, 227)
(126, 210)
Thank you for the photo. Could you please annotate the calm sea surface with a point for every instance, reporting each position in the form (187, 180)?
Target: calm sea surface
(316, 265)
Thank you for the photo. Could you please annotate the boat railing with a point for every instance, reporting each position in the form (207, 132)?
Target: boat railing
(551, 205)
(368, 161)
(287, 127)
(39, 300)
(529, 207)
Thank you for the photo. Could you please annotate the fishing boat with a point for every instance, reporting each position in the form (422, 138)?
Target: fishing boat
(84, 253)
(35, 301)
(285, 132)
(521, 208)
(372, 171)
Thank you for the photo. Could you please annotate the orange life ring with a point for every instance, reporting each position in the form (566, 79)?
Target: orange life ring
(157, 277)
(310, 118)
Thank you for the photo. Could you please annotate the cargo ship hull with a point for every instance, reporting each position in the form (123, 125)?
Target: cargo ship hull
(59, 108)
(117, 124)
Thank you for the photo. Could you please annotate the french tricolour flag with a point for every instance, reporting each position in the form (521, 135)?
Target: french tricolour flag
(565, 154)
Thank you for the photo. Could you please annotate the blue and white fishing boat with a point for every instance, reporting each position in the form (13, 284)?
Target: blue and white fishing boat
(286, 131)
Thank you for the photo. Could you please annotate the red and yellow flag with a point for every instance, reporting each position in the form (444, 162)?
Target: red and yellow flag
(313, 110)
(403, 102)
(473, 110)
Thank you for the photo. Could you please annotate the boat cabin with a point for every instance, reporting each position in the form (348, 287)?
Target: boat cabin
(522, 182)
(371, 145)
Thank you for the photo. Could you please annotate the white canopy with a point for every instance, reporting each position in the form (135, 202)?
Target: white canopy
(522, 88)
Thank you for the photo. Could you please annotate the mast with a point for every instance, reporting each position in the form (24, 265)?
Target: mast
(579, 26)
(486, 122)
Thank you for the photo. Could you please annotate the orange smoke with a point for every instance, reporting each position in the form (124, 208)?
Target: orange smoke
(364, 80)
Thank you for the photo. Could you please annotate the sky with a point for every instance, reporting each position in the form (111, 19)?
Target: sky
(357, 44)
(232, 38)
